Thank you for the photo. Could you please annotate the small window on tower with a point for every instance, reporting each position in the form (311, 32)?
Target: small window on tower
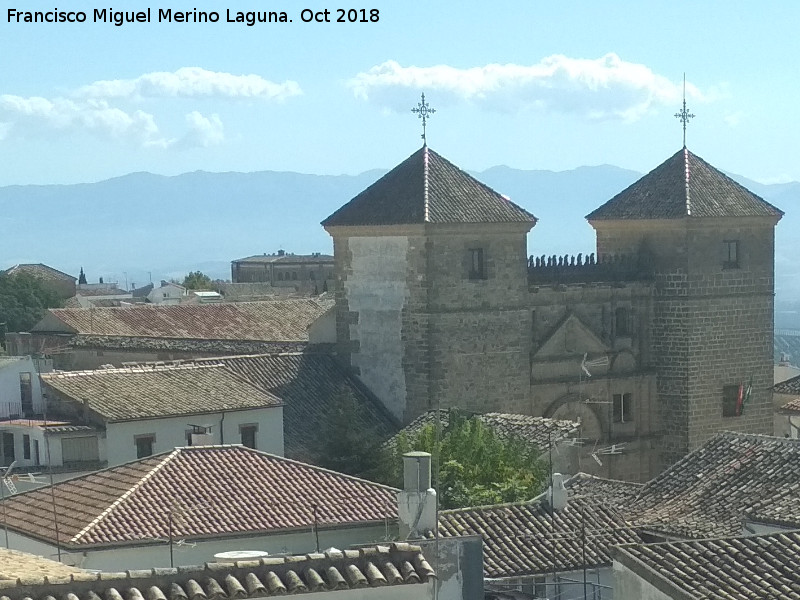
(477, 265)
(730, 254)
(730, 400)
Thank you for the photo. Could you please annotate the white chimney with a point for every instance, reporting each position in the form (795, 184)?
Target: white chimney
(556, 495)
(417, 501)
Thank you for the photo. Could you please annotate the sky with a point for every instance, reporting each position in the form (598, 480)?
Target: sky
(528, 84)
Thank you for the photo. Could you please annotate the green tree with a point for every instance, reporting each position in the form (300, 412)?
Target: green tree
(23, 301)
(197, 280)
(347, 444)
(477, 466)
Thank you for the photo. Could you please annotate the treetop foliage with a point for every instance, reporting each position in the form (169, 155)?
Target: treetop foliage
(197, 280)
(23, 301)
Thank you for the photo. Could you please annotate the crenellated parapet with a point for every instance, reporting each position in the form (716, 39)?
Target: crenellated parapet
(585, 268)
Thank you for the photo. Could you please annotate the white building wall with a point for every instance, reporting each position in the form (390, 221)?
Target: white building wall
(377, 290)
(157, 555)
(629, 586)
(10, 394)
(171, 432)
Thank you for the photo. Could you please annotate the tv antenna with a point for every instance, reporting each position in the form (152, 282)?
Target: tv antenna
(607, 451)
(585, 370)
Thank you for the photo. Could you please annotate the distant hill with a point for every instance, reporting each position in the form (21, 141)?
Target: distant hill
(147, 225)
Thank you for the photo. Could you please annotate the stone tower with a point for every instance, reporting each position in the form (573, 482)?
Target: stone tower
(431, 290)
(710, 243)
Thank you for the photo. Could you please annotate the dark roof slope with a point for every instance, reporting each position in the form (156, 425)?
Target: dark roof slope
(526, 539)
(427, 188)
(240, 491)
(743, 568)
(41, 271)
(706, 493)
(610, 492)
(684, 186)
(790, 386)
(536, 430)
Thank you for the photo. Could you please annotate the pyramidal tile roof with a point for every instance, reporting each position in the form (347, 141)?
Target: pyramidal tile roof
(427, 188)
(219, 491)
(684, 186)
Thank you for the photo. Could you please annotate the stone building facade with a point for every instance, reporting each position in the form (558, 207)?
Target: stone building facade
(650, 341)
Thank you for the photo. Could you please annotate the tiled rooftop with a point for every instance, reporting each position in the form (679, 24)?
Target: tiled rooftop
(706, 493)
(782, 508)
(207, 347)
(21, 565)
(41, 271)
(286, 258)
(525, 539)
(309, 386)
(610, 492)
(275, 321)
(684, 186)
(788, 387)
(533, 429)
(427, 188)
(153, 391)
(374, 567)
(221, 491)
(745, 568)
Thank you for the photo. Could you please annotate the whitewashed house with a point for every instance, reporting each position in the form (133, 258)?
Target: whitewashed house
(20, 401)
(167, 293)
(186, 505)
(134, 412)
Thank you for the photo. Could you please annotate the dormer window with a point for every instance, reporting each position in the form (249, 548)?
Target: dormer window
(477, 264)
(730, 254)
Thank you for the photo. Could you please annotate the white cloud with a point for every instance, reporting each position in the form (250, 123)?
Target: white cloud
(41, 116)
(203, 131)
(191, 82)
(603, 88)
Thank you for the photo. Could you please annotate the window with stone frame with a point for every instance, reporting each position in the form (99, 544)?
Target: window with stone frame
(730, 254)
(477, 263)
(622, 408)
(730, 400)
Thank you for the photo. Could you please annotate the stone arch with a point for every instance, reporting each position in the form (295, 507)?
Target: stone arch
(570, 406)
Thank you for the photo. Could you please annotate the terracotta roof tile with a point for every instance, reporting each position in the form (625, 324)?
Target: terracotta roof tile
(41, 271)
(740, 568)
(151, 391)
(239, 491)
(379, 566)
(612, 492)
(275, 321)
(525, 539)
(427, 188)
(706, 493)
(533, 429)
(684, 186)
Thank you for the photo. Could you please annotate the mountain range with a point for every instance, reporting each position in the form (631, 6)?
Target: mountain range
(141, 226)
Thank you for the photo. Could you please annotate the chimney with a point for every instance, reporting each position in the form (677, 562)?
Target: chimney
(417, 501)
(281, 252)
(556, 495)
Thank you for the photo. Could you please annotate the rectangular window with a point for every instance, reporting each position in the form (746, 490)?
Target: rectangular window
(144, 444)
(540, 587)
(8, 449)
(477, 265)
(26, 446)
(730, 400)
(730, 254)
(622, 408)
(248, 433)
(26, 394)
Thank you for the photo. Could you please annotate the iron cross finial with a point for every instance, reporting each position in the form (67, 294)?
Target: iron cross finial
(423, 110)
(684, 115)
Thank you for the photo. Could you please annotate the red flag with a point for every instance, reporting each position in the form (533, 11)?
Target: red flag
(740, 400)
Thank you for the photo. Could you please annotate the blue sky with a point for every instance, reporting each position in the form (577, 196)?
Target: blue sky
(533, 85)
